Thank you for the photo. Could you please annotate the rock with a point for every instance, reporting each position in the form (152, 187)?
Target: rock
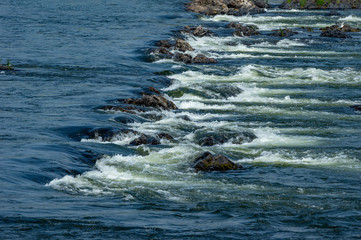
(183, 46)
(224, 90)
(127, 109)
(318, 4)
(213, 138)
(334, 33)
(162, 51)
(164, 44)
(108, 134)
(356, 107)
(145, 139)
(154, 90)
(164, 73)
(200, 58)
(153, 101)
(197, 31)
(165, 136)
(6, 68)
(230, 7)
(332, 13)
(209, 162)
(260, 3)
(181, 57)
(244, 30)
(185, 118)
(283, 32)
(342, 28)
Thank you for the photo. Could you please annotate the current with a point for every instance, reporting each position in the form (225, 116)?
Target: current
(302, 172)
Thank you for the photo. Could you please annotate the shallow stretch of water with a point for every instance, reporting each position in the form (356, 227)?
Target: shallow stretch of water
(302, 172)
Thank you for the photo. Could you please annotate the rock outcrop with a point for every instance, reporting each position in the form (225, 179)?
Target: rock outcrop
(229, 7)
(196, 31)
(243, 30)
(338, 31)
(209, 162)
(283, 32)
(151, 101)
(321, 4)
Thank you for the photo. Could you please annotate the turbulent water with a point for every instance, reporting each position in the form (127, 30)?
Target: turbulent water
(302, 172)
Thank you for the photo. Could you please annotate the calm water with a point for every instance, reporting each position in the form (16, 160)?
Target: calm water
(302, 177)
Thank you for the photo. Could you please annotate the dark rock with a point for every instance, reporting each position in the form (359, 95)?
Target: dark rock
(200, 58)
(165, 136)
(356, 107)
(127, 109)
(164, 44)
(197, 31)
(181, 57)
(342, 28)
(260, 3)
(162, 51)
(283, 32)
(6, 68)
(186, 118)
(183, 46)
(335, 34)
(316, 4)
(209, 162)
(145, 139)
(224, 91)
(154, 90)
(153, 101)
(332, 13)
(230, 7)
(164, 73)
(108, 134)
(213, 138)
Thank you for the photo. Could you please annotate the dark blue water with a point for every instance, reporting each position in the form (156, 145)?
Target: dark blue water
(303, 171)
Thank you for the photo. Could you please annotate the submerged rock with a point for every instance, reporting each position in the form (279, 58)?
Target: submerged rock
(107, 134)
(283, 32)
(213, 138)
(321, 4)
(208, 162)
(333, 13)
(196, 31)
(224, 90)
(165, 136)
(6, 68)
(229, 7)
(356, 107)
(145, 139)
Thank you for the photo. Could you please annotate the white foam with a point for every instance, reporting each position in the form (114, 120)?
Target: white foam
(350, 18)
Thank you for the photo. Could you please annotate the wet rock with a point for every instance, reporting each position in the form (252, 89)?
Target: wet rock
(164, 44)
(224, 91)
(153, 101)
(243, 30)
(6, 68)
(165, 53)
(127, 109)
(213, 138)
(356, 107)
(185, 118)
(260, 3)
(164, 73)
(154, 90)
(197, 31)
(145, 139)
(342, 28)
(283, 32)
(230, 7)
(181, 57)
(334, 34)
(165, 136)
(107, 134)
(183, 46)
(200, 58)
(317, 4)
(332, 13)
(208, 162)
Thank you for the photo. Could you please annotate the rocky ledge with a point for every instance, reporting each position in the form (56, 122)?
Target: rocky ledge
(321, 4)
(217, 162)
(338, 31)
(229, 7)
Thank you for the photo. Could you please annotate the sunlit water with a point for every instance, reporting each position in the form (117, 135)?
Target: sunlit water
(302, 172)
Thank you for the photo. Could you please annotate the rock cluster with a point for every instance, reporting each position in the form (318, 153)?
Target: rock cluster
(243, 30)
(338, 31)
(321, 4)
(283, 32)
(229, 7)
(198, 31)
(208, 162)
